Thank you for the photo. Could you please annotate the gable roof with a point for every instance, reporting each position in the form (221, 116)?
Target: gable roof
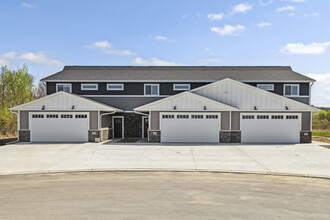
(273, 100)
(177, 73)
(65, 101)
(185, 101)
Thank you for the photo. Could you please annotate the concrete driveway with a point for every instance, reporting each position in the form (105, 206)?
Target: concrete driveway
(302, 159)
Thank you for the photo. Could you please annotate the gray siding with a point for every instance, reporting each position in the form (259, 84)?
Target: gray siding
(154, 120)
(24, 120)
(305, 121)
(301, 99)
(126, 103)
(93, 120)
(235, 121)
(224, 121)
(106, 120)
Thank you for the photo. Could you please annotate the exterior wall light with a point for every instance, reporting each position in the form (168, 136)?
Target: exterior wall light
(72, 107)
(43, 107)
(286, 108)
(255, 108)
(174, 108)
(204, 108)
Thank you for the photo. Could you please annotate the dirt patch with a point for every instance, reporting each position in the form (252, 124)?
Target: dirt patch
(3, 141)
(321, 139)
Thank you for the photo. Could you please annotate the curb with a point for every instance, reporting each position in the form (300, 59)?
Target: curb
(165, 170)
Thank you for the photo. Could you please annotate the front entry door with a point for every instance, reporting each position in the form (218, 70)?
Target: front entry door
(118, 127)
(145, 127)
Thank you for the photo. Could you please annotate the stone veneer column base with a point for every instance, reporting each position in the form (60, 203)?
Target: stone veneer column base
(305, 137)
(230, 137)
(24, 135)
(92, 134)
(154, 136)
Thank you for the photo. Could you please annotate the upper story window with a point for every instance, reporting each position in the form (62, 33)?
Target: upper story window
(151, 89)
(291, 89)
(269, 87)
(66, 87)
(115, 87)
(181, 87)
(89, 87)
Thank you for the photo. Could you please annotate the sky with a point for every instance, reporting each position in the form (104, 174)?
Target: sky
(46, 35)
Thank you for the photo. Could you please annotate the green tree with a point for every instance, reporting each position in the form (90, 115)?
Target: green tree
(328, 115)
(322, 114)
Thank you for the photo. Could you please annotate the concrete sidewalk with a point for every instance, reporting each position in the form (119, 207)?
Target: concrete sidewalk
(301, 159)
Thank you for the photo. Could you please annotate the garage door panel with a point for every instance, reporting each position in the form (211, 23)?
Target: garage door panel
(60, 129)
(277, 128)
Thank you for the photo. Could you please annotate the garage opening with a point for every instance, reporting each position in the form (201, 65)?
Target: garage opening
(59, 127)
(270, 128)
(190, 127)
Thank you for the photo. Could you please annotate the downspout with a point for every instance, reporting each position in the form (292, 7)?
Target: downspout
(110, 113)
(13, 142)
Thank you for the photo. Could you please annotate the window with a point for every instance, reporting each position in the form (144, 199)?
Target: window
(181, 87)
(37, 116)
(151, 89)
(292, 117)
(211, 116)
(262, 117)
(89, 87)
(63, 87)
(269, 87)
(66, 116)
(277, 116)
(168, 116)
(52, 116)
(81, 116)
(182, 116)
(248, 117)
(197, 116)
(114, 87)
(291, 90)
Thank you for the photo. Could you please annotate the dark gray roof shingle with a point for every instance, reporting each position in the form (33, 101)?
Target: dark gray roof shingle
(242, 73)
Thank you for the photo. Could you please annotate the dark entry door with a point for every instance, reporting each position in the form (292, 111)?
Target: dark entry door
(145, 127)
(118, 127)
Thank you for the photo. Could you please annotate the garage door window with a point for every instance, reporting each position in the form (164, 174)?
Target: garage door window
(262, 117)
(37, 116)
(277, 116)
(211, 116)
(168, 116)
(292, 117)
(66, 116)
(81, 116)
(248, 116)
(52, 116)
(197, 116)
(182, 116)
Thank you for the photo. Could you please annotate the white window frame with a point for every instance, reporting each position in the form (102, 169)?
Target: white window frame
(90, 84)
(272, 85)
(145, 85)
(115, 89)
(64, 84)
(175, 89)
(291, 90)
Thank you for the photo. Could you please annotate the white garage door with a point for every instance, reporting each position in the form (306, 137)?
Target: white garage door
(59, 127)
(270, 128)
(193, 127)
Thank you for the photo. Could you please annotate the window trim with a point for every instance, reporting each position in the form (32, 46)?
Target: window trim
(151, 85)
(89, 84)
(181, 84)
(121, 84)
(64, 84)
(264, 84)
(291, 90)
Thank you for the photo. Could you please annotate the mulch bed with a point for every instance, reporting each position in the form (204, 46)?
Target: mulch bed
(321, 139)
(6, 140)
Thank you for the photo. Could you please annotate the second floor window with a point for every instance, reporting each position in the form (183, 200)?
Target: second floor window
(117, 87)
(63, 87)
(291, 90)
(151, 89)
(89, 87)
(181, 87)
(269, 87)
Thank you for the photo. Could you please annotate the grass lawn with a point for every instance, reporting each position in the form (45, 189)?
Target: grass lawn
(321, 133)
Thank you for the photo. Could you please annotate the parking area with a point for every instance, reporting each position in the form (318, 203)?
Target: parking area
(302, 159)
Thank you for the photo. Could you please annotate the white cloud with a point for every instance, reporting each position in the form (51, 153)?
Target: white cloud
(296, 1)
(286, 8)
(209, 51)
(160, 38)
(264, 24)
(154, 62)
(228, 30)
(311, 15)
(215, 16)
(209, 61)
(265, 3)
(291, 14)
(241, 8)
(320, 89)
(29, 5)
(35, 58)
(300, 48)
(107, 47)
